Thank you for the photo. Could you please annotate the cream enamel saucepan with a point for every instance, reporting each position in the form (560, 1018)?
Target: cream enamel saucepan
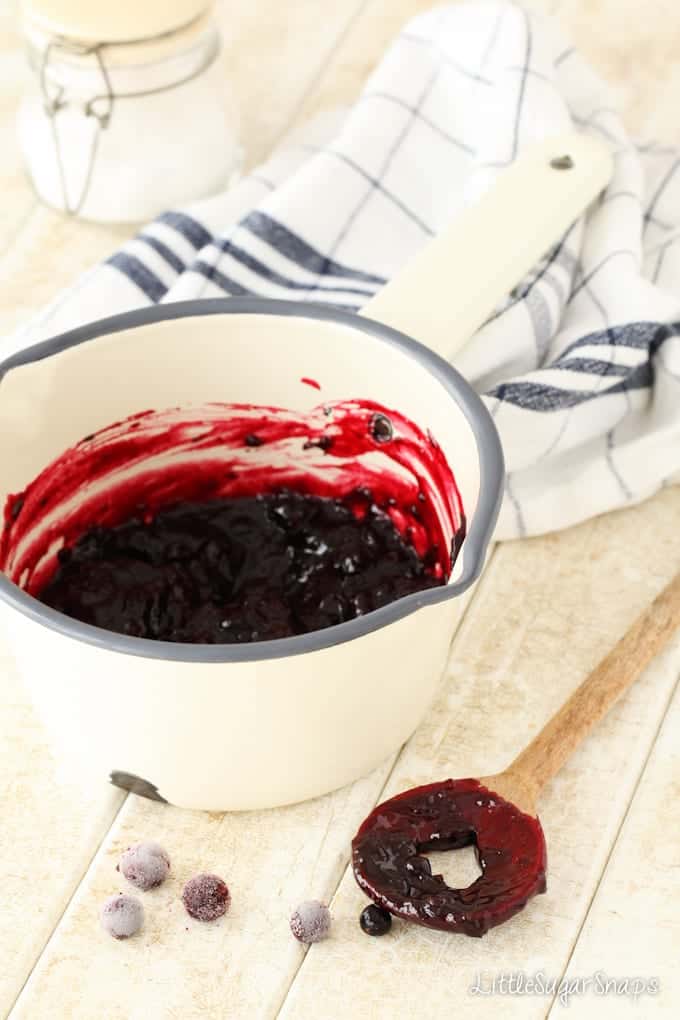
(234, 726)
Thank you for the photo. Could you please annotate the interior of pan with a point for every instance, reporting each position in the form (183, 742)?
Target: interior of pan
(252, 354)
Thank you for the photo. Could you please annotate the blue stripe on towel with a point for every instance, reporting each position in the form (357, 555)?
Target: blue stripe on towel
(637, 335)
(139, 274)
(535, 396)
(166, 253)
(294, 248)
(590, 366)
(190, 229)
(258, 267)
(228, 285)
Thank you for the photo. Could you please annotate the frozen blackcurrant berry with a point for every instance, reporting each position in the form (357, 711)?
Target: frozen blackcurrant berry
(374, 920)
(311, 922)
(206, 897)
(145, 865)
(122, 916)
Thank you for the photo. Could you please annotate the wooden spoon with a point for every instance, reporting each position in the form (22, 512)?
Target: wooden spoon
(497, 814)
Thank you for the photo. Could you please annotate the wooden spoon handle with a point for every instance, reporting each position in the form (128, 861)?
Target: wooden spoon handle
(548, 751)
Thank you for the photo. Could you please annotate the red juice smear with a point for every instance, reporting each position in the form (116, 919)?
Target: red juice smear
(154, 460)
(311, 382)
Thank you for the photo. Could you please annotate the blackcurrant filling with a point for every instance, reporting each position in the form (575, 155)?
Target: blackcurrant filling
(390, 866)
(230, 523)
(237, 570)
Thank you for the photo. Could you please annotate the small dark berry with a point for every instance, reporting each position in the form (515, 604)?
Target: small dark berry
(206, 897)
(374, 920)
(17, 506)
(322, 443)
(253, 440)
(381, 428)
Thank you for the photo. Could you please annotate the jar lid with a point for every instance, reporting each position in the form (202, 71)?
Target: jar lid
(113, 21)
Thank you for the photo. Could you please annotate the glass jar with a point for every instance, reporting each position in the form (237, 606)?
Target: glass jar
(117, 131)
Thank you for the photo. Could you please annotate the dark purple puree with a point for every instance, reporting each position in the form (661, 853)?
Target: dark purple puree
(236, 523)
(236, 570)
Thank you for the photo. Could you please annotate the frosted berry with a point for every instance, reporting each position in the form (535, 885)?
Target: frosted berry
(311, 922)
(122, 916)
(206, 897)
(375, 920)
(145, 865)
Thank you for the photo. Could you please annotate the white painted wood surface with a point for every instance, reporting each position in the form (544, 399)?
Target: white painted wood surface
(633, 927)
(542, 615)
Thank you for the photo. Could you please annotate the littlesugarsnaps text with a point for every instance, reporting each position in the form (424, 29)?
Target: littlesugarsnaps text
(563, 989)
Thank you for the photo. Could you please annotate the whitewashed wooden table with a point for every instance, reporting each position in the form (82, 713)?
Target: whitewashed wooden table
(542, 615)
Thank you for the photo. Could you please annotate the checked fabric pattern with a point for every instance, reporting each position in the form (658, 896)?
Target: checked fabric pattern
(580, 367)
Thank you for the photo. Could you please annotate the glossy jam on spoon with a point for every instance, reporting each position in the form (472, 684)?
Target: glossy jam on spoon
(390, 866)
(496, 814)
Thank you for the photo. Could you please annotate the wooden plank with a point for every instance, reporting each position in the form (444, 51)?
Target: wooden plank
(48, 834)
(546, 611)
(632, 929)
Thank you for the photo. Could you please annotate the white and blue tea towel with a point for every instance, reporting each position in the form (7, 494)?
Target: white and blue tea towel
(580, 367)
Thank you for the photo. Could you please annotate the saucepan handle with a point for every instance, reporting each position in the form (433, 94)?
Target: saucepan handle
(449, 289)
